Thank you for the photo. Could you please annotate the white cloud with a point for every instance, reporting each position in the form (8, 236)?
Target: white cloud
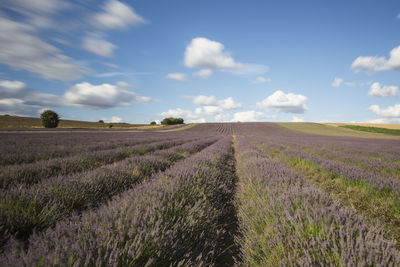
(224, 104)
(205, 53)
(297, 119)
(18, 99)
(228, 104)
(198, 115)
(369, 64)
(187, 115)
(375, 64)
(101, 96)
(389, 112)
(116, 15)
(176, 76)
(178, 112)
(261, 79)
(125, 85)
(14, 106)
(210, 55)
(29, 105)
(25, 98)
(199, 120)
(204, 73)
(112, 119)
(248, 115)
(204, 100)
(378, 90)
(337, 82)
(22, 49)
(398, 16)
(210, 108)
(222, 117)
(42, 99)
(116, 119)
(10, 89)
(281, 102)
(98, 46)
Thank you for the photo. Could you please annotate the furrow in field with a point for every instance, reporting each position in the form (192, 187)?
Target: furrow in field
(285, 221)
(40, 206)
(174, 219)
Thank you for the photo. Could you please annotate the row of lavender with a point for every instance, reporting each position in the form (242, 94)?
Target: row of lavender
(25, 207)
(31, 173)
(376, 162)
(176, 218)
(359, 148)
(361, 174)
(284, 220)
(85, 156)
(340, 163)
(20, 148)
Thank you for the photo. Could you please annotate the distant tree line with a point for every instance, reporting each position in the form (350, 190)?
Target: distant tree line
(172, 121)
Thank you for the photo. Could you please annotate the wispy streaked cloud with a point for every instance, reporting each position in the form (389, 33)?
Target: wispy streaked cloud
(97, 45)
(116, 15)
(117, 73)
(23, 49)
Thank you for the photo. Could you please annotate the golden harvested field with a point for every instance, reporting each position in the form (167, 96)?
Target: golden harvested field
(378, 125)
(326, 129)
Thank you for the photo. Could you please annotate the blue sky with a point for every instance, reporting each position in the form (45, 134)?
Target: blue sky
(138, 61)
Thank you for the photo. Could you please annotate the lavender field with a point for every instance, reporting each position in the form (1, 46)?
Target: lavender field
(215, 194)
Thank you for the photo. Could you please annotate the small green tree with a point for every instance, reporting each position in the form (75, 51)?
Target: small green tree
(49, 119)
(110, 125)
(172, 121)
(178, 121)
(153, 123)
(101, 121)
